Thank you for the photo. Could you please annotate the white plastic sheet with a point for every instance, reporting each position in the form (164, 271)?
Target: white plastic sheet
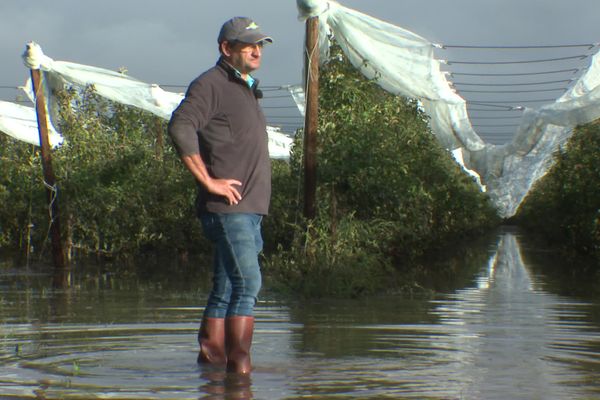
(20, 122)
(116, 87)
(403, 63)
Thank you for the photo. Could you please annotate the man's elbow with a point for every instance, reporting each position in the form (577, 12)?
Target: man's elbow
(184, 137)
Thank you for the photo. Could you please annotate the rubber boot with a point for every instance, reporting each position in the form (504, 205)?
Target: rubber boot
(238, 339)
(211, 337)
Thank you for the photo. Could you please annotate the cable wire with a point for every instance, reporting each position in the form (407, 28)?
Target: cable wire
(495, 125)
(278, 97)
(512, 91)
(509, 102)
(588, 45)
(574, 70)
(580, 57)
(477, 118)
(287, 117)
(506, 109)
(272, 88)
(513, 84)
(272, 107)
(51, 216)
(496, 134)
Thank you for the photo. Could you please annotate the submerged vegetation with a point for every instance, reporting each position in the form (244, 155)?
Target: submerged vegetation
(564, 206)
(388, 194)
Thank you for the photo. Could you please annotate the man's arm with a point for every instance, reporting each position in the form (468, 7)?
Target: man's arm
(221, 187)
(190, 115)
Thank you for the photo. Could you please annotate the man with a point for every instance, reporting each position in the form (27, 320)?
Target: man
(219, 131)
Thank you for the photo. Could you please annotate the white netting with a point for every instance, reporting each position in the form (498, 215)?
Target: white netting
(110, 84)
(403, 63)
(20, 122)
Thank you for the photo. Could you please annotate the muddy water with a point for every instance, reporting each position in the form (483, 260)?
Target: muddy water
(509, 330)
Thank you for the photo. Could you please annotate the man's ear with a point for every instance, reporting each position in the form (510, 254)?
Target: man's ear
(225, 48)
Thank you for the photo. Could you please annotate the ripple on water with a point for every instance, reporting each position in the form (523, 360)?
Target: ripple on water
(123, 359)
(500, 338)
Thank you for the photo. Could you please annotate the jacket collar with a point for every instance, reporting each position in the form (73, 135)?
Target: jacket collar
(235, 74)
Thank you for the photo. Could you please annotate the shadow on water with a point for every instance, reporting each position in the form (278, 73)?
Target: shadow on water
(500, 327)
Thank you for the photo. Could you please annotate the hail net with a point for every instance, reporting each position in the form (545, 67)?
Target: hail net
(404, 63)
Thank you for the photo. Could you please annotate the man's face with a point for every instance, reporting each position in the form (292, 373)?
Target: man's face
(243, 56)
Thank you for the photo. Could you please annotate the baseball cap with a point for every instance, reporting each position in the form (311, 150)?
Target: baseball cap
(242, 29)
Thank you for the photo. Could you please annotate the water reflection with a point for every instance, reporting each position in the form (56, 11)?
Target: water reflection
(501, 335)
(508, 332)
(221, 385)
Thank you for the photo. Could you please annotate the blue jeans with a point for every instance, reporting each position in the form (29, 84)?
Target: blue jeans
(236, 272)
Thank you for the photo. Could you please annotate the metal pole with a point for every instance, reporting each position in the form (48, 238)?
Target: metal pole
(58, 257)
(311, 117)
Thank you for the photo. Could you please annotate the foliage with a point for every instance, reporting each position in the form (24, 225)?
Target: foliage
(342, 260)
(120, 191)
(284, 216)
(386, 190)
(387, 194)
(20, 172)
(564, 206)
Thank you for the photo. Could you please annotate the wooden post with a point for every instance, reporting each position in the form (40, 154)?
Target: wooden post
(58, 257)
(311, 116)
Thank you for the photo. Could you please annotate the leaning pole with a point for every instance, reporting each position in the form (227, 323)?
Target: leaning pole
(60, 277)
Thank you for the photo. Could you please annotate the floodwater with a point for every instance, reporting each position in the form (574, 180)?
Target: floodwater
(510, 328)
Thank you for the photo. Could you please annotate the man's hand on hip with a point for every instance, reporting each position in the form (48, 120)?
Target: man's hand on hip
(225, 188)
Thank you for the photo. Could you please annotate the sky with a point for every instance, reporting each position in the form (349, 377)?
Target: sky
(171, 42)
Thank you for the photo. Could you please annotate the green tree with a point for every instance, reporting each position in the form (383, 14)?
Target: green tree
(387, 192)
(21, 191)
(121, 192)
(564, 206)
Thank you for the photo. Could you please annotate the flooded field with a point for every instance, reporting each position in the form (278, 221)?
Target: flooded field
(512, 331)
